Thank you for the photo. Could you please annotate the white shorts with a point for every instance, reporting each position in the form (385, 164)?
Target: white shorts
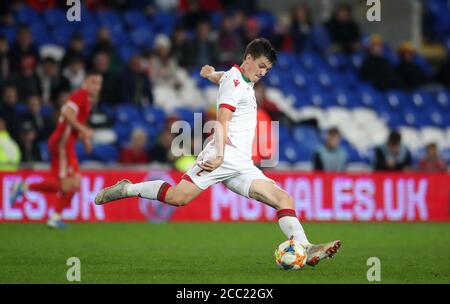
(237, 172)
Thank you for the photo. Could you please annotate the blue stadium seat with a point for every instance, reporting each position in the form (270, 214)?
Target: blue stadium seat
(319, 98)
(397, 100)
(286, 61)
(164, 22)
(126, 52)
(442, 99)
(338, 61)
(155, 117)
(105, 153)
(289, 153)
(305, 135)
(40, 34)
(311, 61)
(9, 32)
(142, 37)
(123, 131)
(27, 15)
(111, 20)
(135, 19)
(63, 34)
(44, 152)
(127, 113)
(55, 17)
(320, 38)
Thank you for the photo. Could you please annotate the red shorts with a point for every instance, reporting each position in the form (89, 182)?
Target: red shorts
(64, 161)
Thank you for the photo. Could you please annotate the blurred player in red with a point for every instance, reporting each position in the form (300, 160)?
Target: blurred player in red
(65, 170)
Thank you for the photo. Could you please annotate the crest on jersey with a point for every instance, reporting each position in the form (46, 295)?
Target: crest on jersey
(236, 82)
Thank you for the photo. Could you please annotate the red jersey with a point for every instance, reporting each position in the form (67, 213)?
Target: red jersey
(80, 102)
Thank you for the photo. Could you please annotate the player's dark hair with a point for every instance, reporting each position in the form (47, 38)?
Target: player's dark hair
(334, 131)
(394, 138)
(93, 73)
(261, 47)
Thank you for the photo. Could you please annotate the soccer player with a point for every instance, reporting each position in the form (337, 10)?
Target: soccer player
(65, 170)
(227, 158)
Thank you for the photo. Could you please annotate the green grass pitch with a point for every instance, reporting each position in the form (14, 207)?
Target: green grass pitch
(219, 253)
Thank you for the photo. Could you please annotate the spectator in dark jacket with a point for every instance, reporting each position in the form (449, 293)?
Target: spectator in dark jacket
(411, 75)
(26, 79)
(4, 61)
(50, 80)
(22, 48)
(8, 110)
(392, 156)
(102, 64)
(202, 49)
(28, 144)
(135, 86)
(330, 156)
(75, 49)
(377, 69)
(343, 30)
(301, 27)
(41, 124)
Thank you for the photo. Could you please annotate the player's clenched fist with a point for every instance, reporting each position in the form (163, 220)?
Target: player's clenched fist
(207, 71)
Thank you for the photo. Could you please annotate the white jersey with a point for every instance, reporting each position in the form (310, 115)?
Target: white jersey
(236, 93)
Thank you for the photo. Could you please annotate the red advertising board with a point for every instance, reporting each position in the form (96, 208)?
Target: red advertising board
(318, 197)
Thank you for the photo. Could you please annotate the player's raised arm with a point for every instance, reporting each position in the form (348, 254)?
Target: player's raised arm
(210, 73)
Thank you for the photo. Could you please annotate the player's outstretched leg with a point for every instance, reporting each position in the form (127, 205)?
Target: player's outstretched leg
(178, 195)
(270, 194)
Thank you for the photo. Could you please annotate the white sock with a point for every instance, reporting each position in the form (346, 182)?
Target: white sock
(147, 190)
(291, 227)
(55, 216)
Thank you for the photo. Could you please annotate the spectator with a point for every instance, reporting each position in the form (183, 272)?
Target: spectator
(202, 49)
(8, 109)
(75, 72)
(377, 69)
(75, 49)
(104, 44)
(4, 60)
(51, 81)
(343, 30)
(411, 75)
(136, 152)
(194, 14)
(330, 156)
(9, 150)
(432, 162)
(251, 31)
(29, 147)
(163, 66)
(135, 86)
(40, 123)
(26, 80)
(393, 155)
(161, 152)
(102, 64)
(180, 44)
(23, 48)
(228, 43)
(300, 30)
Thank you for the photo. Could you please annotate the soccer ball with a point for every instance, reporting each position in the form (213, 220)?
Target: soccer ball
(290, 255)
